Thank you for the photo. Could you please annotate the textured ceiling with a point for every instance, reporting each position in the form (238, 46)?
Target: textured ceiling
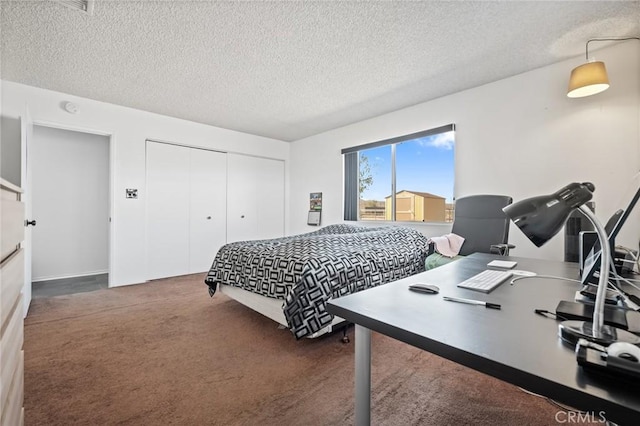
(288, 70)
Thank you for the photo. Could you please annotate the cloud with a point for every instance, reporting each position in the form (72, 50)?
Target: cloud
(442, 140)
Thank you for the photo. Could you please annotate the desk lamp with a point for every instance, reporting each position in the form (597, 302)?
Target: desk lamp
(542, 217)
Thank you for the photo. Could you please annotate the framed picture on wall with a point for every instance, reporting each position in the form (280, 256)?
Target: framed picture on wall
(315, 201)
(315, 208)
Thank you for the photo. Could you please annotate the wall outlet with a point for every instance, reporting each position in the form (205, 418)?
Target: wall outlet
(131, 193)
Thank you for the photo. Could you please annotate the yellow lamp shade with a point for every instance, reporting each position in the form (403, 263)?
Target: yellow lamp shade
(587, 80)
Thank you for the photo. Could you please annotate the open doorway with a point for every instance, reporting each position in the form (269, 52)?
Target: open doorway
(70, 176)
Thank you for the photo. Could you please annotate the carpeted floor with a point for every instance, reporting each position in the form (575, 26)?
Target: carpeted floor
(165, 353)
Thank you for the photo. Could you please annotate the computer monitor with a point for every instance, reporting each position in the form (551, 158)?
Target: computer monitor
(612, 228)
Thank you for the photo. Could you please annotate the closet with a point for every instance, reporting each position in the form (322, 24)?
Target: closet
(186, 211)
(198, 200)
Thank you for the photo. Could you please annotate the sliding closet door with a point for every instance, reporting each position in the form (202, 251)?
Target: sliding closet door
(242, 217)
(167, 210)
(207, 208)
(255, 198)
(198, 200)
(270, 200)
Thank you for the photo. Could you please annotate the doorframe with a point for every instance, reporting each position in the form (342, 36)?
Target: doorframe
(111, 137)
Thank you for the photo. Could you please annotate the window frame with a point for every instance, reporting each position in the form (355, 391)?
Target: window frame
(352, 165)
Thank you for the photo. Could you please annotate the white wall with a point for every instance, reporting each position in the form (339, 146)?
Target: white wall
(129, 128)
(70, 199)
(519, 136)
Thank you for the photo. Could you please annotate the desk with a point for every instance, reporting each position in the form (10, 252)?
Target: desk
(512, 344)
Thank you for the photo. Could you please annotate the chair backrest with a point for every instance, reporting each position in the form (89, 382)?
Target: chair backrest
(481, 221)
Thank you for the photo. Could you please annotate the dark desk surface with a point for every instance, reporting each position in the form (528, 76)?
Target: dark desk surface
(513, 344)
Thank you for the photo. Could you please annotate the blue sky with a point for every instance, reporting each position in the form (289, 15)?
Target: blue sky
(424, 164)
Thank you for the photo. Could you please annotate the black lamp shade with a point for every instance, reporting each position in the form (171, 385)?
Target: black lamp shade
(542, 217)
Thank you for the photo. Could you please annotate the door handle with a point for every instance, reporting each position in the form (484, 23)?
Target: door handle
(30, 222)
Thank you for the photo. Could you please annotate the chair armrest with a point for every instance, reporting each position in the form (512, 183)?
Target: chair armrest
(431, 248)
(501, 249)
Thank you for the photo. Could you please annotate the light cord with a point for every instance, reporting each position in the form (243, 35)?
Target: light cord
(607, 39)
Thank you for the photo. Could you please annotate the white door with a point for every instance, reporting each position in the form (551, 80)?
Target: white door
(242, 219)
(270, 200)
(255, 198)
(207, 207)
(26, 134)
(167, 210)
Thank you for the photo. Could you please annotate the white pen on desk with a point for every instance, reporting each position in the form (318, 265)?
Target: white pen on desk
(472, 302)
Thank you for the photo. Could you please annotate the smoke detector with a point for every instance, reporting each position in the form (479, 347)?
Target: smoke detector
(71, 108)
(85, 6)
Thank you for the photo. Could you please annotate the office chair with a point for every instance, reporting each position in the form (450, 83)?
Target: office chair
(479, 219)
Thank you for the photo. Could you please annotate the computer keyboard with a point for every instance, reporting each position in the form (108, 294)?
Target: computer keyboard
(486, 280)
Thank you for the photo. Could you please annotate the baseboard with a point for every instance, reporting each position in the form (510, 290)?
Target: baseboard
(62, 277)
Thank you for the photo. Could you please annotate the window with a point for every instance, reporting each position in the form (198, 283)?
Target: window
(417, 168)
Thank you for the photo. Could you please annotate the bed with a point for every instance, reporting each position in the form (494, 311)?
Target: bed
(290, 279)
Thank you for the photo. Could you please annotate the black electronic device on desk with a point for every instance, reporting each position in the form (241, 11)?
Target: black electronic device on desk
(620, 359)
(612, 228)
(613, 316)
(588, 295)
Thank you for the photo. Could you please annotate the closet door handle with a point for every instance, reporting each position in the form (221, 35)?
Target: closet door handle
(30, 222)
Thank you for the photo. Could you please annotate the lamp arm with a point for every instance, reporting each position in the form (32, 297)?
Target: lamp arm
(605, 260)
(607, 39)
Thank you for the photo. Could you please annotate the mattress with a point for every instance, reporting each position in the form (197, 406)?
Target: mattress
(307, 270)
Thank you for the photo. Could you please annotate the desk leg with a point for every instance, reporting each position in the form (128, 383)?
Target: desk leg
(363, 376)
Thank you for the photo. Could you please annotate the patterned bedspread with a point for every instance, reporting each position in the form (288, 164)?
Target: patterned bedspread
(309, 269)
